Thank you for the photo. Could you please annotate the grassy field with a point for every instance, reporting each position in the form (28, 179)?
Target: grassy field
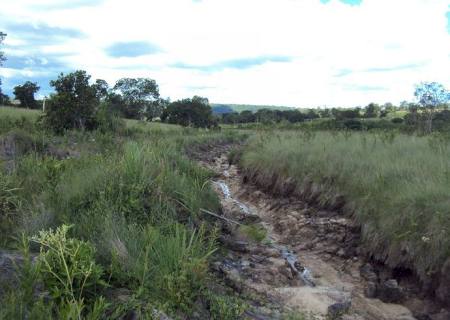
(16, 113)
(396, 186)
(109, 214)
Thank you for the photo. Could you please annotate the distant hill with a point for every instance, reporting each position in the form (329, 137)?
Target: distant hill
(220, 108)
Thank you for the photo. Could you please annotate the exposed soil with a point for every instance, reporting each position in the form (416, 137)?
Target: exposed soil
(309, 260)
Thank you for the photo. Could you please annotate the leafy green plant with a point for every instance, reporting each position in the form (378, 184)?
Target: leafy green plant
(67, 267)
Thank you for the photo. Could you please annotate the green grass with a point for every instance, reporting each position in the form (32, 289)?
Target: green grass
(132, 199)
(146, 126)
(396, 186)
(16, 113)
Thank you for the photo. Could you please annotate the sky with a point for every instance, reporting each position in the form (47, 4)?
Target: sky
(299, 53)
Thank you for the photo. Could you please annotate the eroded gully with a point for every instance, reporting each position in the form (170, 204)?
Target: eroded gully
(305, 263)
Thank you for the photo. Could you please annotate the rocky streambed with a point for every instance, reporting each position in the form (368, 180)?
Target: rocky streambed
(303, 259)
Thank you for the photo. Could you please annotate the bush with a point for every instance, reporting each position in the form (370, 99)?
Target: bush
(352, 124)
(397, 120)
(74, 105)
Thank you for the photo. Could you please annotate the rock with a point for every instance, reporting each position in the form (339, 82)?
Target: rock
(57, 152)
(443, 291)
(9, 262)
(341, 253)
(159, 315)
(250, 218)
(235, 245)
(368, 273)
(272, 253)
(390, 292)
(371, 290)
(285, 271)
(337, 310)
(443, 315)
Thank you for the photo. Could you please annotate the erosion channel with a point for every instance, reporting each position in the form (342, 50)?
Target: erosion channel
(299, 261)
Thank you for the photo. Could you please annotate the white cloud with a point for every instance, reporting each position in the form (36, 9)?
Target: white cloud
(323, 39)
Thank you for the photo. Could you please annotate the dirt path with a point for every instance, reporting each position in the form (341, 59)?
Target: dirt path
(307, 263)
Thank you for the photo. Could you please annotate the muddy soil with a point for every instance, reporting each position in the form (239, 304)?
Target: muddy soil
(309, 260)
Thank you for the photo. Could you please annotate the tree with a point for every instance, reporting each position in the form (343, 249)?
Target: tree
(346, 113)
(247, 116)
(139, 96)
(265, 116)
(312, 114)
(25, 94)
(293, 116)
(430, 96)
(372, 110)
(4, 99)
(101, 89)
(2, 59)
(325, 113)
(75, 103)
(230, 118)
(195, 112)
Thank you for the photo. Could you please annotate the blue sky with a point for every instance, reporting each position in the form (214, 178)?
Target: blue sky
(304, 53)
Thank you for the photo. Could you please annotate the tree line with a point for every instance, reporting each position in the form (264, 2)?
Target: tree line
(79, 102)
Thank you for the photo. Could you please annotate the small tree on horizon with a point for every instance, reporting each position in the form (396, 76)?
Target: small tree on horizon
(2, 59)
(430, 96)
(25, 94)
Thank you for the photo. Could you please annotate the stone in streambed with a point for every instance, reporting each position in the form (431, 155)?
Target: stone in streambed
(443, 291)
(368, 273)
(337, 310)
(390, 292)
(371, 290)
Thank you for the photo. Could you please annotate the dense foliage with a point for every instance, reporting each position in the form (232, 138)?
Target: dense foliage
(195, 112)
(139, 98)
(25, 94)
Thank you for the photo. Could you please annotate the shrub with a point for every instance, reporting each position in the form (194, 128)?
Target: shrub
(353, 124)
(74, 105)
(397, 120)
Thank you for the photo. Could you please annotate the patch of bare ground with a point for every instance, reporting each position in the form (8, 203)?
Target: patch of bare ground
(310, 259)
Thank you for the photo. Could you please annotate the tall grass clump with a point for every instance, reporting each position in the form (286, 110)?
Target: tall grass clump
(396, 186)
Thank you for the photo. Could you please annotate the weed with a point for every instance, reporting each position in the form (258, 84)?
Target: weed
(255, 232)
(68, 268)
(222, 307)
